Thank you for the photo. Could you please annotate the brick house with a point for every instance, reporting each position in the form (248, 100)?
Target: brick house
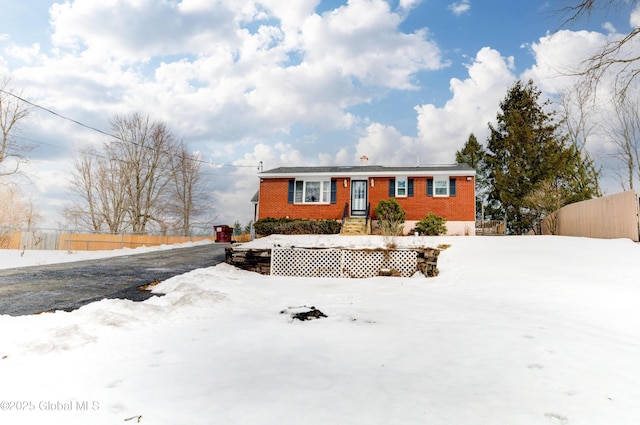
(336, 191)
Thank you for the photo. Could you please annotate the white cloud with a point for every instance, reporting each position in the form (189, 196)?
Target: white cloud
(460, 7)
(634, 20)
(564, 53)
(608, 26)
(195, 65)
(408, 4)
(235, 186)
(135, 30)
(474, 103)
(559, 55)
(384, 145)
(362, 40)
(443, 131)
(25, 54)
(291, 14)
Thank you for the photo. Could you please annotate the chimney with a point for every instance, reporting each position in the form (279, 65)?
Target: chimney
(364, 160)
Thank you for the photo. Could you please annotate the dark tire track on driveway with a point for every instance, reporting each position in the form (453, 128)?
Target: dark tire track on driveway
(68, 286)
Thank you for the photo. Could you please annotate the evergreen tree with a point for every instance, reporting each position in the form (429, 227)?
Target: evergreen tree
(525, 152)
(247, 228)
(474, 155)
(237, 228)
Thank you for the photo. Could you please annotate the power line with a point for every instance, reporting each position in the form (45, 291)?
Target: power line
(35, 105)
(97, 154)
(89, 127)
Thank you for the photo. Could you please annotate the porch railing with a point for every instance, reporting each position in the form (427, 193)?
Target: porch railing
(366, 219)
(345, 212)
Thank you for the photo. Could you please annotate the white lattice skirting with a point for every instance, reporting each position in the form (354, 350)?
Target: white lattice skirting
(337, 263)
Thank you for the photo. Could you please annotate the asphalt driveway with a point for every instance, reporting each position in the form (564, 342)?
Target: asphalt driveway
(68, 286)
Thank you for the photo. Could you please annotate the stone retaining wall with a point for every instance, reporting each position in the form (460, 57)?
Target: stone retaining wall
(335, 262)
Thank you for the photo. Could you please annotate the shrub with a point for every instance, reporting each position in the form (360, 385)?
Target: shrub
(431, 225)
(390, 217)
(289, 226)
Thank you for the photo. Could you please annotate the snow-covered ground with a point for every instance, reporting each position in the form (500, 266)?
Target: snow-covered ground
(514, 330)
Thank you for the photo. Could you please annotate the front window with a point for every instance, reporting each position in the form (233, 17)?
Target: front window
(441, 186)
(313, 191)
(401, 187)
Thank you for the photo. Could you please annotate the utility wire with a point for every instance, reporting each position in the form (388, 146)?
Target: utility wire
(59, 115)
(56, 114)
(97, 154)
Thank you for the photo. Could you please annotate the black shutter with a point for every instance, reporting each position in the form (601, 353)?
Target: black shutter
(392, 188)
(291, 191)
(452, 187)
(410, 188)
(429, 187)
(333, 191)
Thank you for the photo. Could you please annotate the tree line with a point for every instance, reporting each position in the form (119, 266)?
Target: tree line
(142, 177)
(530, 168)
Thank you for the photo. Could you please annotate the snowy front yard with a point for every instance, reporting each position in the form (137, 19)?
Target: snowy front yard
(514, 330)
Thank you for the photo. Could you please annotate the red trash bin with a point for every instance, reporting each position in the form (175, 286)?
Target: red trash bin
(223, 233)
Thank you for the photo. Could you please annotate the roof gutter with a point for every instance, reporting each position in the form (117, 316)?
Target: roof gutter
(386, 173)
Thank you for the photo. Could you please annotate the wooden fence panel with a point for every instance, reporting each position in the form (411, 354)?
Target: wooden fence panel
(42, 240)
(100, 242)
(609, 217)
(55, 239)
(10, 240)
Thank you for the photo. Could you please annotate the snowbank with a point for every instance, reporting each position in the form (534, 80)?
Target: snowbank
(514, 330)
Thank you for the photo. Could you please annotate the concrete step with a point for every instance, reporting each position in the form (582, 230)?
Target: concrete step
(355, 226)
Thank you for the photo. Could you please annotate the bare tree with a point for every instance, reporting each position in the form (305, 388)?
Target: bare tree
(580, 9)
(188, 193)
(12, 112)
(84, 211)
(126, 186)
(100, 202)
(544, 203)
(624, 131)
(114, 202)
(15, 212)
(619, 57)
(15, 209)
(144, 149)
(578, 112)
(142, 177)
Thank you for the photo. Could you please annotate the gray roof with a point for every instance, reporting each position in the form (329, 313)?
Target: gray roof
(370, 170)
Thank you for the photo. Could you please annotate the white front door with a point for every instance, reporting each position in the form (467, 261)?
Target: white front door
(358, 197)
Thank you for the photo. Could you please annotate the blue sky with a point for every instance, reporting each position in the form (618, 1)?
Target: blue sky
(283, 83)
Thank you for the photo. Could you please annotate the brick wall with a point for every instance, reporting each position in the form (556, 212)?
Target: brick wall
(453, 208)
(273, 200)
